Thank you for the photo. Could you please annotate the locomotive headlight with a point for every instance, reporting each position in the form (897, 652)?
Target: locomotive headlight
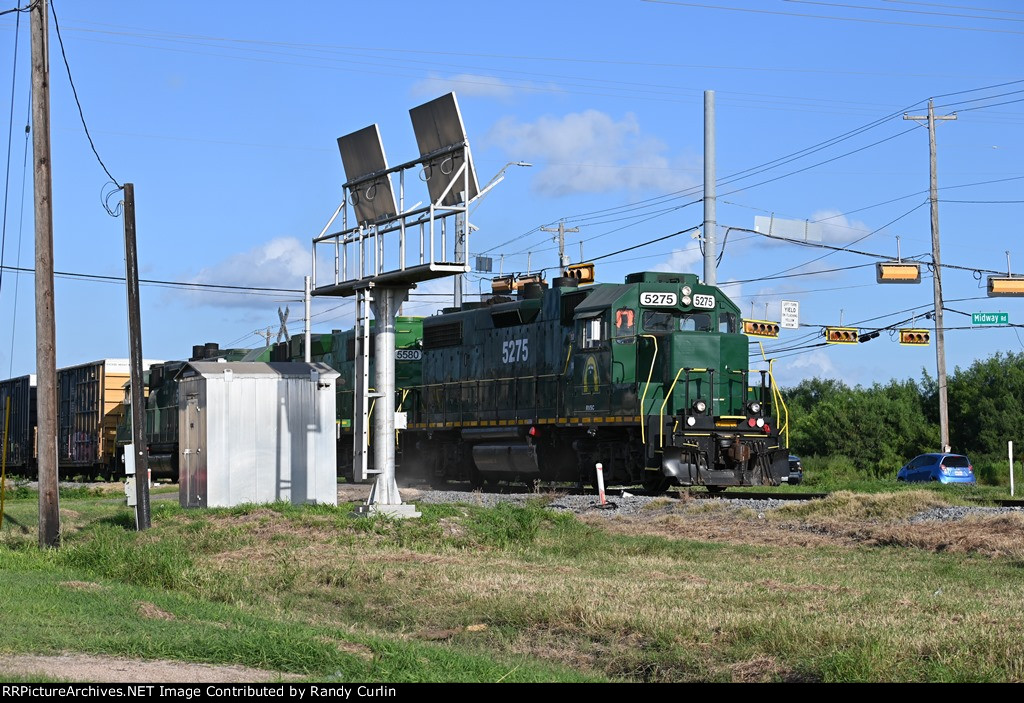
(686, 291)
(699, 406)
(691, 421)
(754, 407)
(685, 299)
(760, 422)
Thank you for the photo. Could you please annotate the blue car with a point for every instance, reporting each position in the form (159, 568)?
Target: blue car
(944, 468)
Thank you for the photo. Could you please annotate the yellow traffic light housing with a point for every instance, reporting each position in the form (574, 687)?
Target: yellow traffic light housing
(915, 337)
(502, 284)
(897, 272)
(1005, 286)
(761, 328)
(841, 335)
(583, 273)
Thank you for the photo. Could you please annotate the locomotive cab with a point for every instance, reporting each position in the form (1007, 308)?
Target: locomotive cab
(666, 352)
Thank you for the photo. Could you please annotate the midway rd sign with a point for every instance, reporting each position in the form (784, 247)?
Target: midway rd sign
(990, 318)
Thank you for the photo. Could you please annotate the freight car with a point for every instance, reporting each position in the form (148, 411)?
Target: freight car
(649, 377)
(18, 407)
(90, 406)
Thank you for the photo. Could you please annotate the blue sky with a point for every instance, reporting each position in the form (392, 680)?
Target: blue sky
(225, 116)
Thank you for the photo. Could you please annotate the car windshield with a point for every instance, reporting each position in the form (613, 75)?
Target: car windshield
(956, 462)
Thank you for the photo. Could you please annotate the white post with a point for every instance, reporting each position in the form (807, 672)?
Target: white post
(600, 482)
(1009, 446)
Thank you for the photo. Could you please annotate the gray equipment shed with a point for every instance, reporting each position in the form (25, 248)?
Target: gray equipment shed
(252, 432)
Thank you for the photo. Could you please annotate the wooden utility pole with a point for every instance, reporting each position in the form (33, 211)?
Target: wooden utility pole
(940, 347)
(46, 346)
(563, 260)
(139, 447)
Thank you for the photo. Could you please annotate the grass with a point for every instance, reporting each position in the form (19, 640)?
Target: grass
(526, 594)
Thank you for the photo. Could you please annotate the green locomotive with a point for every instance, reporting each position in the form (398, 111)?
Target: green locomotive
(649, 377)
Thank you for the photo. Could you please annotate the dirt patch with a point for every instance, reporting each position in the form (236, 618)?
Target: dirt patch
(82, 585)
(102, 669)
(152, 612)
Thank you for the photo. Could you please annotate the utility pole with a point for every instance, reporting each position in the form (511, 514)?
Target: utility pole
(141, 451)
(46, 346)
(710, 223)
(940, 347)
(563, 260)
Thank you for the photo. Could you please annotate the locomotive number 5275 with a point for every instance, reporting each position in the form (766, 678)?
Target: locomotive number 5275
(514, 350)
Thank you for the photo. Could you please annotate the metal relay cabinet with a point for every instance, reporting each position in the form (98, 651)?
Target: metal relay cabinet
(252, 432)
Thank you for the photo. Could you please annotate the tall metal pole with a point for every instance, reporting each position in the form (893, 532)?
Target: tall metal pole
(308, 298)
(46, 346)
(384, 496)
(139, 446)
(460, 254)
(710, 221)
(940, 346)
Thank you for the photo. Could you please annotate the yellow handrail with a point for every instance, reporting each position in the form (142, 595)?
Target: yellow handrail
(643, 397)
(777, 397)
(661, 412)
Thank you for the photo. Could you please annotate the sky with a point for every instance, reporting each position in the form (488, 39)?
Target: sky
(225, 118)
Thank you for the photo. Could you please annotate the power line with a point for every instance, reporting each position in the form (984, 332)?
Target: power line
(10, 139)
(81, 114)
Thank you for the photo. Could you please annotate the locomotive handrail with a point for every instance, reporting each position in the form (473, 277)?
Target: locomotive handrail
(777, 395)
(661, 412)
(643, 397)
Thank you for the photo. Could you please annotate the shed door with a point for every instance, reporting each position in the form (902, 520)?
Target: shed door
(192, 462)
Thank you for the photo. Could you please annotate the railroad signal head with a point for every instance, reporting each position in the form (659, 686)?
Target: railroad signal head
(841, 335)
(1005, 285)
(915, 337)
(583, 273)
(897, 272)
(761, 328)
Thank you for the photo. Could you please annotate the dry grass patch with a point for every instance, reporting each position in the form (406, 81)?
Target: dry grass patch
(150, 611)
(994, 536)
(861, 507)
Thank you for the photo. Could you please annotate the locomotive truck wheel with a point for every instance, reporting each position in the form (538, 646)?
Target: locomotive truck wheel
(716, 489)
(654, 482)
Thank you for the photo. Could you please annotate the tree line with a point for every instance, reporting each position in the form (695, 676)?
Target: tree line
(878, 429)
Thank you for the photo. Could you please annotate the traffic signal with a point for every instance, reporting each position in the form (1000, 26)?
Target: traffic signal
(1005, 285)
(761, 328)
(841, 335)
(915, 338)
(897, 272)
(583, 273)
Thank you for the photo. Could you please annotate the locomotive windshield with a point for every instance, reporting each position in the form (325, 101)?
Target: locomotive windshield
(656, 321)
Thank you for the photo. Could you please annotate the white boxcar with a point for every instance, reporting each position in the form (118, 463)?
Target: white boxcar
(252, 432)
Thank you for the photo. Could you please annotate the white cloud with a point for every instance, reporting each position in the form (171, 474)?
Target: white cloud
(797, 368)
(464, 84)
(683, 261)
(279, 263)
(836, 227)
(590, 152)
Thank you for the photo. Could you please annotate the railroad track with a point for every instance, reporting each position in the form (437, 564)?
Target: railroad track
(763, 495)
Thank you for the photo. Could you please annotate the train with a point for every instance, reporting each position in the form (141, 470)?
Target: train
(649, 378)
(90, 408)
